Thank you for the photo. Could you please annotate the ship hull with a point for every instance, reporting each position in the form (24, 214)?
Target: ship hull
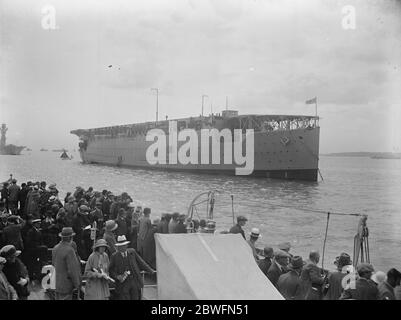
(11, 150)
(296, 158)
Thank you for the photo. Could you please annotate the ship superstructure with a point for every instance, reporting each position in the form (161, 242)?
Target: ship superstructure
(8, 149)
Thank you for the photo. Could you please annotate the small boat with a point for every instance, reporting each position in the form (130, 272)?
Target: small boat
(64, 156)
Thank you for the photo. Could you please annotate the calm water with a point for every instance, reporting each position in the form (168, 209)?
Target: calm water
(352, 185)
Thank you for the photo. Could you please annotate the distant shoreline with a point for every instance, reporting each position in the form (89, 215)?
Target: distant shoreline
(373, 155)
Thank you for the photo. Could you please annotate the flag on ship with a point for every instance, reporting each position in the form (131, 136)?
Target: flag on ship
(311, 101)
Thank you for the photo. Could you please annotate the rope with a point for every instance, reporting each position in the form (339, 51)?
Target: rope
(325, 238)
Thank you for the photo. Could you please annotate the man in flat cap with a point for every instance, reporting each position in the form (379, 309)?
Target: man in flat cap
(241, 221)
(278, 266)
(363, 288)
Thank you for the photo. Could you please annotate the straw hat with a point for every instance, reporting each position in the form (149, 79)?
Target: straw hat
(255, 233)
(9, 251)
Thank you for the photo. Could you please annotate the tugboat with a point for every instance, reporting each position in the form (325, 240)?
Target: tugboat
(8, 149)
(64, 156)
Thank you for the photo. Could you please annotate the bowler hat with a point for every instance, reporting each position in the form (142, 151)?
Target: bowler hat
(66, 232)
(9, 251)
(296, 262)
(121, 241)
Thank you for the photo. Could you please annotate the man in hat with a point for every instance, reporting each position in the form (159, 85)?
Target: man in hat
(15, 271)
(80, 222)
(134, 227)
(67, 267)
(313, 278)
(173, 222)
(334, 286)
(13, 193)
(110, 236)
(278, 266)
(264, 264)
(386, 288)
(5, 195)
(285, 246)
(162, 226)
(12, 232)
(35, 251)
(289, 284)
(122, 228)
(125, 266)
(7, 291)
(181, 226)
(97, 215)
(241, 221)
(22, 199)
(363, 288)
(253, 237)
(146, 246)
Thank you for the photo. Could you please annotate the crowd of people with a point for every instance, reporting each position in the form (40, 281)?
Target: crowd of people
(108, 241)
(297, 279)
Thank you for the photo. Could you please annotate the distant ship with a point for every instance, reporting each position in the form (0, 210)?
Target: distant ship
(8, 149)
(43, 149)
(387, 156)
(285, 146)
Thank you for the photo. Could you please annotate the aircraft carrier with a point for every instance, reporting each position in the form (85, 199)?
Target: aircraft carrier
(285, 146)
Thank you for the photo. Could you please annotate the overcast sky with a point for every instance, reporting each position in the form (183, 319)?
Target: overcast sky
(267, 56)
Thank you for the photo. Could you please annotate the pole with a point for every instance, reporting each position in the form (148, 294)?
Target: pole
(157, 103)
(315, 110)
(232, 207)
(226, 102)
(325, 238)
(203, 97)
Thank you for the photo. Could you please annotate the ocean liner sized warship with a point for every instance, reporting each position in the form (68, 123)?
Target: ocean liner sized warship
(8, 149)
(285, 146)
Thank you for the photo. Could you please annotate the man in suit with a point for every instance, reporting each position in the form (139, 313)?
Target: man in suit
(264, 264)
(289, 284)
(312, 277)
(67, 267)
(13, 190)
(125, 265)
(278, 266)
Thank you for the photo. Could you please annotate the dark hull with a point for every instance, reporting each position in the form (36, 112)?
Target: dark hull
(291, 174)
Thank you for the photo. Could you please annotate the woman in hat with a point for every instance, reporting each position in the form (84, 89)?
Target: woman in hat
(334, 287)
(15, 271)
(97, 273)
(7, 292)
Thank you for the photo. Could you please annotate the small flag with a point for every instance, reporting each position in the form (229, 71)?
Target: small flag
(311, 101)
